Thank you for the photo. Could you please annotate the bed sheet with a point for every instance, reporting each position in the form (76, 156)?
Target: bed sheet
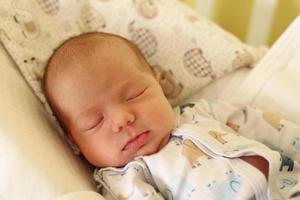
(222, 88)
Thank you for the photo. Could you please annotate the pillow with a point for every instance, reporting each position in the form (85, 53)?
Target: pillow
(188, 50)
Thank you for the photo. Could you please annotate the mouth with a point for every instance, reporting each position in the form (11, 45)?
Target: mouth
(136, 143)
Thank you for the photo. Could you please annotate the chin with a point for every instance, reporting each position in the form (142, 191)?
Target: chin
(119, 164)
(112, 163)
(149, 150)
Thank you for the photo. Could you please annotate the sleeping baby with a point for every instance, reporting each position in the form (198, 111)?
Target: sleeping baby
(109, 101)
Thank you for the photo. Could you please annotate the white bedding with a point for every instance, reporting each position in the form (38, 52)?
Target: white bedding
(273, 85)
(223, 87)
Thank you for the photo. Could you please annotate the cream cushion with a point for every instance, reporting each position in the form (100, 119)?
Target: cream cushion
(189, 50)
(35, 162)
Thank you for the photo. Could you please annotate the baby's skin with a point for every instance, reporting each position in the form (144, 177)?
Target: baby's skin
(109, 101)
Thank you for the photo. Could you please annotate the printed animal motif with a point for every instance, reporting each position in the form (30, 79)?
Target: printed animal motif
(25, 19)
(91, 19)
(226, 190)
(197, 65)
(286, 161)
(180, 187)
(218, 136)
(192, 152)
(50, 7)
(287, 183)
(144, 39)
(146, 8)
(186, 105)
(170, 87)
(242, 58)
(296, 144)
(273, 120)
(234, 126)
(37, 69)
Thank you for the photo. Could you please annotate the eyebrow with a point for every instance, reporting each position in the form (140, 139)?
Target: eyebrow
(126, 86)
(79, 121)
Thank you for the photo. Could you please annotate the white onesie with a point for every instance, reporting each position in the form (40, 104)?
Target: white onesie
(201, 159)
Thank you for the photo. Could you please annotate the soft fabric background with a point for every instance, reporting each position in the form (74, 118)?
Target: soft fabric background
(256, 22)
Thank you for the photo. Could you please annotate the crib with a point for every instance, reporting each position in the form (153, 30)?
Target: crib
(37, 164)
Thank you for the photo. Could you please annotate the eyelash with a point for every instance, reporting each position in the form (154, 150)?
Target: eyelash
(136, 95)
(102, 118)
(96, 124)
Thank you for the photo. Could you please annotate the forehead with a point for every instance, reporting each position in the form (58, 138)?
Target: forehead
(100, 60)
(102, 72)
(95, 47)
(111, 62)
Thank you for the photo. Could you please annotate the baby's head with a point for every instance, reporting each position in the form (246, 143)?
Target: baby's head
(106, 97)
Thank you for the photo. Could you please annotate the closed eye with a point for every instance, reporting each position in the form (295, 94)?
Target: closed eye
(135, 95)
(95, 124)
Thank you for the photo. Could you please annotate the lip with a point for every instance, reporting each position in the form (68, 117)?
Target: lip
(137, 142)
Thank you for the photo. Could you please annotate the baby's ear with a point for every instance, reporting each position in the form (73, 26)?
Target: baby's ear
(157, 72)
(167, 81)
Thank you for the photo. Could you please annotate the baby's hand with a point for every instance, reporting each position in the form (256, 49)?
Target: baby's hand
(258, 162)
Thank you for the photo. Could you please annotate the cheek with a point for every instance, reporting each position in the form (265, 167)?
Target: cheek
(157, 112)
(95, 147)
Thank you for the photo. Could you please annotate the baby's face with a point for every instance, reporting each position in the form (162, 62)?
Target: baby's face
(115, 111)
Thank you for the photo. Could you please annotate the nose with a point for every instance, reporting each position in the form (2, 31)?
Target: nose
(122, 118)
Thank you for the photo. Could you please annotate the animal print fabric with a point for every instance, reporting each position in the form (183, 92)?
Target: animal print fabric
(197, 162)
(201, 160)
(189, 50)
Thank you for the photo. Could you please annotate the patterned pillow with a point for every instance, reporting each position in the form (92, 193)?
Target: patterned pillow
(188, 50)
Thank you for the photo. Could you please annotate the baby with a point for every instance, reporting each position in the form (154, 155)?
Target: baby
(109, 101)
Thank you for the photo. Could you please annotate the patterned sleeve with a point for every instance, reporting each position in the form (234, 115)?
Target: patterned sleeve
(272, 130)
